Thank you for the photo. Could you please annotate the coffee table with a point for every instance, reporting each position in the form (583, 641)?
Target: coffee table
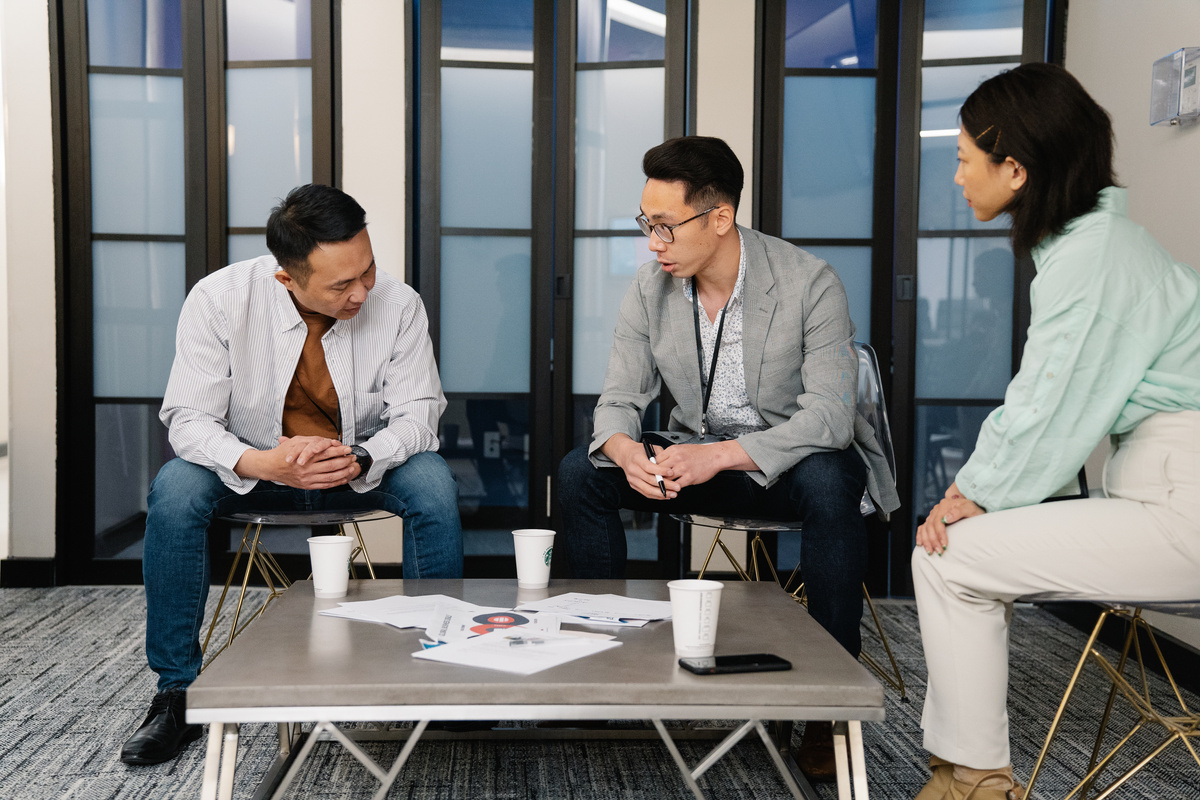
(295, 666)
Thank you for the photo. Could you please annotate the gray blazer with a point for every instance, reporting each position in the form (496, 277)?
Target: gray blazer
(801, 369)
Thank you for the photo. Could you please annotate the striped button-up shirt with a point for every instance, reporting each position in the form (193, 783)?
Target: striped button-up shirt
(237, 345)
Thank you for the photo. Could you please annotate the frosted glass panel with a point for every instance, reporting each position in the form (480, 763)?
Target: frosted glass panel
(943, 90)
(964, 317)
(853, 266)
(604, 269)
(148, 33)
(131, 446)
(618, 117)
(244, 246)
(484, 30)
(954, 29)
(828, 156)
(487, 147)
(946, 437)
(485, 441)
(137, 153)
(621, 30)
(268, 30)
(485, 314)
(137, 292)
(269, 115)
(825, 34)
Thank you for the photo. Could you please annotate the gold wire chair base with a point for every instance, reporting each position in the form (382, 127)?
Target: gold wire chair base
(752, 572)
(1183, 726)
(260, 559)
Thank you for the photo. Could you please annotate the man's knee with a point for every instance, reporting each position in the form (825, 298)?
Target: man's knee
(829, 482)
(574, 471)
(426, 483)
(181, 484)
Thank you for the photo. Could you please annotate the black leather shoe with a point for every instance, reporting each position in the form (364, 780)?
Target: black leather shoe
(163, 733)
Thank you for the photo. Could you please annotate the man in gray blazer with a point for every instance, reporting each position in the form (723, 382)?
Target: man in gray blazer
(780, 399)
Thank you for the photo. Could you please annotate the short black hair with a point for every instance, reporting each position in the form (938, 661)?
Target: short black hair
(1042, 117)
(705, 165)
(311, 215)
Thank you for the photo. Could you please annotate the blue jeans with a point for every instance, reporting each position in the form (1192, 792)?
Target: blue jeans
(823, 491)
(185, 498)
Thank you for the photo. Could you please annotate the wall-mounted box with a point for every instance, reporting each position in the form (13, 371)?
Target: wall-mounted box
(1175, 87)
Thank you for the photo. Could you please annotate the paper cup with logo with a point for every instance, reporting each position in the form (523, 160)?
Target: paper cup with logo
(330, 564)
(534, 548)
(694, 608)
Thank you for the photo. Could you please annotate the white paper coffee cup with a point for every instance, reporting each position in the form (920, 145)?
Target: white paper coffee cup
(330, 564)
(694, 608)
(534, 548)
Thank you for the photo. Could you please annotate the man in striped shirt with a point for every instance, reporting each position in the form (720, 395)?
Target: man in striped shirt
(301, 382)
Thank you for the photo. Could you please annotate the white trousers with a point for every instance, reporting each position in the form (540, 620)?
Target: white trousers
(1141, 544)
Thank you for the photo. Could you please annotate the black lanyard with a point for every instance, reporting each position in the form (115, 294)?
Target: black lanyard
(706, 386)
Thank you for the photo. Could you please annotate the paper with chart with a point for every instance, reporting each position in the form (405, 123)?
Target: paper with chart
(452, 624)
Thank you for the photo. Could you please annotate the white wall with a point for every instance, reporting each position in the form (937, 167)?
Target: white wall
(373, 99)
(725, 83)
(1111, 45)
(29, 223)
(3, 320)
(373, 95)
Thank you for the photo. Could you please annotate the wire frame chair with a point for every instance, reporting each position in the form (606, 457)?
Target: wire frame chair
(259, 558)
(1128, 677)
(871, 405)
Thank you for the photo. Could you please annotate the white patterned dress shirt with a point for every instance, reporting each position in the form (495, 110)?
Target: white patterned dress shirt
(729, 410)
(237, 345)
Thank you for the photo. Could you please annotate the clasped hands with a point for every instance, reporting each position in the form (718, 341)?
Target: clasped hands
(933, 534)
(302, 462)
(680, 465)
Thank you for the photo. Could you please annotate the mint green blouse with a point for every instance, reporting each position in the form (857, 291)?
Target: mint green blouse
(1114, 337)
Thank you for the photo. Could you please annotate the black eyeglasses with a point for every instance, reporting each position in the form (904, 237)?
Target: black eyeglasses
(666, 232)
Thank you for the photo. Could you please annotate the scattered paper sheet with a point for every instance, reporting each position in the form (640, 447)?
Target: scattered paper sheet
(518, 650)
(399, 611)
(611, 622)
(601, 606)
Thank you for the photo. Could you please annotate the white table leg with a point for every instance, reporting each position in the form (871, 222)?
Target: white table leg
(679, 762)
(784, 772)
(840, 757)
(858, 761)
(405, 752)
(212, 762)
(228, 763)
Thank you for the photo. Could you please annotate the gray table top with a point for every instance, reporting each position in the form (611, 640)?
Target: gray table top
(293, 658)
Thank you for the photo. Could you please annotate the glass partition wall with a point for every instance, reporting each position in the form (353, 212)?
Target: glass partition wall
(533, 119)
(961, 307)
(183, 124)
(826, 183)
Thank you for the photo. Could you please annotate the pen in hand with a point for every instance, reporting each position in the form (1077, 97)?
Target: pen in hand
(650, 455)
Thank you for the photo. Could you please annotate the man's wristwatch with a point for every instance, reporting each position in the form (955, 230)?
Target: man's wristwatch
(363, 458)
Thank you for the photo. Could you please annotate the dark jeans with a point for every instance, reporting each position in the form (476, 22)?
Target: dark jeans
(185, 498)
(823, 491)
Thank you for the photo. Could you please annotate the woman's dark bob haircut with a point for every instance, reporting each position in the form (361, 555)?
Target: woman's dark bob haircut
(1042, 118)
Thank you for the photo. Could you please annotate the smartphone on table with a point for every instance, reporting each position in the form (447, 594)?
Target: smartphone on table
(750, 662)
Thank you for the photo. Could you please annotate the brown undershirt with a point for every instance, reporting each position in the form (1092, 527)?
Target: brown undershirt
(310, 407)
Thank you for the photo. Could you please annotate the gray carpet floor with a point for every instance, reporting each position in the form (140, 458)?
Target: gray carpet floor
(74, 685)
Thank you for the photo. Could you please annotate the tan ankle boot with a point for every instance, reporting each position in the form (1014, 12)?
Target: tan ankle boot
(983, 785)
(939, 782)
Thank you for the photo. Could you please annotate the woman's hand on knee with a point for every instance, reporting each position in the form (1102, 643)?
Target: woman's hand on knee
(933, 534)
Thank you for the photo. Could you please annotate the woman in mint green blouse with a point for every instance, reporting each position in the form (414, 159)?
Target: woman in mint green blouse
(1113, 350)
